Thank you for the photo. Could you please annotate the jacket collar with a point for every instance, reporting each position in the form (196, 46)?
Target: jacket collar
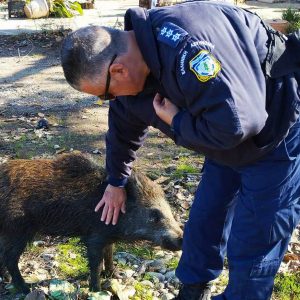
(138, 20)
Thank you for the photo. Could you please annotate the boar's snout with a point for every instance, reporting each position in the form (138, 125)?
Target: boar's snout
(173, 241)
(172, 244)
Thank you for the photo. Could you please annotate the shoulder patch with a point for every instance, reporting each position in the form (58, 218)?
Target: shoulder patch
(171, 34)
(205, 66)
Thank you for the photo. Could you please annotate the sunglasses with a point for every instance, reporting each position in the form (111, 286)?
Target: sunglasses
(107, 95)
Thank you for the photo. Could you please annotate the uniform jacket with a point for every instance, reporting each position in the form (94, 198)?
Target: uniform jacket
(207, 59)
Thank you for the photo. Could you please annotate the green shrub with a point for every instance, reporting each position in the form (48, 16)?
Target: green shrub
(143, 292)
(65, 9)
(293, 17)
(287, 286)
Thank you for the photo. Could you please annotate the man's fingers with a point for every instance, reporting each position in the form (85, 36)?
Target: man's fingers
(158, 101)
(104, 212)
(157, 98)
(115, 216)
(109, 215)
(123, 208)
(99, 205)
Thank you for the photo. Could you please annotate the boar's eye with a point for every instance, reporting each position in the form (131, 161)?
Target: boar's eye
(155, 215)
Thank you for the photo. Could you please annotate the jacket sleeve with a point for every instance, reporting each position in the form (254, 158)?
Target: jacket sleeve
(125, 135)
(224, 111)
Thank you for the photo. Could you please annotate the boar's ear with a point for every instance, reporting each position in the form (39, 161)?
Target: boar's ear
(75, 165)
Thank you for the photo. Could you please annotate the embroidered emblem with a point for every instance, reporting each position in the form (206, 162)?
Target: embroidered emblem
(171, 34)
(205, 66)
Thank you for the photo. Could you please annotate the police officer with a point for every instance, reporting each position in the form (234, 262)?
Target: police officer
(202, 73)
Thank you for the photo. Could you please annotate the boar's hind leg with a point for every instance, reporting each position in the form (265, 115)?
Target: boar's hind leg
(108, 259)
(2, 266)
(95, 256)
(13, 248)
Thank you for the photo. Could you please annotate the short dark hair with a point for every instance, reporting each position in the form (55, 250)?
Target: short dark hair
(86, 51)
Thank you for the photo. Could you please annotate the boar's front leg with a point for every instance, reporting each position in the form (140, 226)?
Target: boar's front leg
(13, 247)
(95, 245)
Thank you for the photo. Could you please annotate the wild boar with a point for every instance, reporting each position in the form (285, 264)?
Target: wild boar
(58, 197)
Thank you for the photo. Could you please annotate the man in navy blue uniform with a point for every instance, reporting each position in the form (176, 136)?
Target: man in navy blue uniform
(203, 73)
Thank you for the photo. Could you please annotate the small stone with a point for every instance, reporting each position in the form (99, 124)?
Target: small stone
(42, 124)
(160, 253)
(180, 196)
(147, 283)
(32, 279)
(167, 296)
(47, 256)
(169, 275)
(160, 286)
(171, 168)
(36, 295)
(38, 243)
(58, 39)
(129, 291)
(129, 273)
(156, 275)
(97, 151)
(27, 271)
(41, 115)
(290, 256)
(122, 261)
(156, 265)
(59, 151)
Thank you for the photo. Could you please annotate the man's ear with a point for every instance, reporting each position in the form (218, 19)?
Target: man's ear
(119, 71)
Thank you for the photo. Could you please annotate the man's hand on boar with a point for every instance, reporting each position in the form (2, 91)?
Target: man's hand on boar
(113, 200)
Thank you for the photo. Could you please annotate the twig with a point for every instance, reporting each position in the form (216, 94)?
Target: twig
(19, 55)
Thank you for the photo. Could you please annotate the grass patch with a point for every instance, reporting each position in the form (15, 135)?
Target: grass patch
(184, 169)
(142, 251)
(172, 263)
(35, 250)
(287, 286)
(142, 292)
(72, 259)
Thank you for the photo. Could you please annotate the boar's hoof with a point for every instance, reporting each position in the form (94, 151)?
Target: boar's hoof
(95, 288)
(24, 288)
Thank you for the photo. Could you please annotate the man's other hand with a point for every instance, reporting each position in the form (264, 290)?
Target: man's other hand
(113, 200)
(164, 108)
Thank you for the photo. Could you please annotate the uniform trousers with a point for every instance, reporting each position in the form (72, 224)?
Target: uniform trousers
(247, 213)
